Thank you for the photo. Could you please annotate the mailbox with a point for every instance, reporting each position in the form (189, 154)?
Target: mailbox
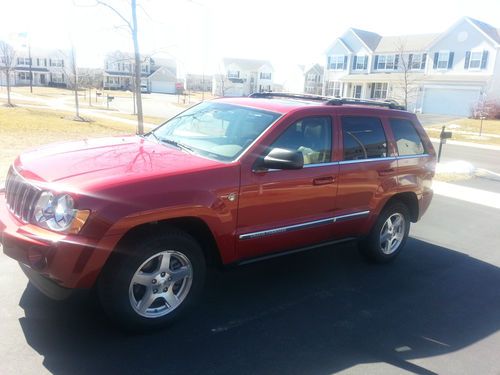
(110, 98)
(443, 136)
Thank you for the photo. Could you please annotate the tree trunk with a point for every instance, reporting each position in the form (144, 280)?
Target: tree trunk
(140, 122)
(7, 77)
(75, 83)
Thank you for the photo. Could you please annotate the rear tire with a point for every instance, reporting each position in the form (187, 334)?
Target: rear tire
(153, 281)
(389, 234)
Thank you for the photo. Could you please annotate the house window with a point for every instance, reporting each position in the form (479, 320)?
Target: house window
(379, 90)
(476, 59)
(336, 62)
(57, 63)
(23, 61)
(443, 60)
(360, 62)
(334, 88)
(265, 75)
(57, 78)
(417, 61)
(233, 74)
(23, 76)
(386, 62)
(144, 68)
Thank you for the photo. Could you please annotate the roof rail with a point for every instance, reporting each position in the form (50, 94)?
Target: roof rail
(392, 104)
(289, 95)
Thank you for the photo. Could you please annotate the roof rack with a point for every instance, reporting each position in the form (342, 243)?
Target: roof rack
(392, 104)
(289, 95)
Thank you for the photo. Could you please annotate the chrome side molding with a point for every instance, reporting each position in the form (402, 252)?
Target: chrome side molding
(309, 224)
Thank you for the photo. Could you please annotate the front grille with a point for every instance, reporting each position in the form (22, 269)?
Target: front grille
(21, 196)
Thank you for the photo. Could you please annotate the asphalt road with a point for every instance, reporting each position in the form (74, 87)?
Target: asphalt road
(435, 310)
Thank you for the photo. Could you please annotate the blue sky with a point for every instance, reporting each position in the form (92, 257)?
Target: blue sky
(200, 32)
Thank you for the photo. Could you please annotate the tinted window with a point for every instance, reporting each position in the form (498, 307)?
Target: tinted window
(312, 136)
(364, 138)
(407, 138)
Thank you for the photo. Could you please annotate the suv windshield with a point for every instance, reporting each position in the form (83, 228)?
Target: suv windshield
(216, 130)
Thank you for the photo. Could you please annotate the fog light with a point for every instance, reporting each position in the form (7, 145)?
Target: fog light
(36, 258)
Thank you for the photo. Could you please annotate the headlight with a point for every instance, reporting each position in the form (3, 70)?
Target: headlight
(58, 213)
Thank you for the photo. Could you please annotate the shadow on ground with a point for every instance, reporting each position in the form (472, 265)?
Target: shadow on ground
(314, 313)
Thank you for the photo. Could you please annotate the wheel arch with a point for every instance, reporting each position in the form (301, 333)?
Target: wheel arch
(410, 200)
(194, 226)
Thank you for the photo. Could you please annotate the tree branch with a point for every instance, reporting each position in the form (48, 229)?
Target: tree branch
(99, 2)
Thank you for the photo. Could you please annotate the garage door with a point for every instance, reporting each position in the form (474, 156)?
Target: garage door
(449, 101)
(163, 87)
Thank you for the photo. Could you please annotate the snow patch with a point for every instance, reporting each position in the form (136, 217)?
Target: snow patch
(456, 167)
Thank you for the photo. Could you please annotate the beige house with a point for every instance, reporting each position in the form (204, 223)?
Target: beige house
(157, 75)
(47, 67)
(241, 77)
(313, 80)
(446, 73)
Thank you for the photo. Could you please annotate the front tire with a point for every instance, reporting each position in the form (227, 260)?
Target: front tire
(152, 282)
(389, 234)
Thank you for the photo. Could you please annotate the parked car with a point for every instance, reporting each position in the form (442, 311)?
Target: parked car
(228, 181)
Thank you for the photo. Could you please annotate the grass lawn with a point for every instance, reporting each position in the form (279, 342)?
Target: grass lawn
(471, 127)
(24, 128)
(148, 119)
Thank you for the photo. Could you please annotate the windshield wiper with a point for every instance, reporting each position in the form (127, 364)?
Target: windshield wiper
(174, 143)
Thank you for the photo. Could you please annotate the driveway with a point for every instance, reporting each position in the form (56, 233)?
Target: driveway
(435, 310)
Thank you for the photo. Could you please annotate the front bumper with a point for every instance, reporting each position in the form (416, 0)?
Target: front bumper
(65, 260)
(47, 286)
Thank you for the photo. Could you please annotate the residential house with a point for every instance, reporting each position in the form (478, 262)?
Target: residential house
(48, 68)
(198, 82)
(157, 75)
(446, 73)
(241, 77)
(313, 80)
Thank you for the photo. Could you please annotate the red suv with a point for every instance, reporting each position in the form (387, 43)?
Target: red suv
(228, 181)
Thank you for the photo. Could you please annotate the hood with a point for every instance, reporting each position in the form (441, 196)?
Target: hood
(107, 159)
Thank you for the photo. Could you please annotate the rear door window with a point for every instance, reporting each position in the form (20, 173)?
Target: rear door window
(363, 138)
(407, 138)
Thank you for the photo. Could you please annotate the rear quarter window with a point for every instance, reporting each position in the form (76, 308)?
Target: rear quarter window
(407, 138)
(363, 138)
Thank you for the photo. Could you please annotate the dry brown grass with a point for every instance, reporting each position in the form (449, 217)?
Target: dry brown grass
(24, 128)
(434, 133)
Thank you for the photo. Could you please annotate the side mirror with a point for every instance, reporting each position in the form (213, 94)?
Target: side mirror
(281, 158)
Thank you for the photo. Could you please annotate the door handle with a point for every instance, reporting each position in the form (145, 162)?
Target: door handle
(386, 172)
(324, 180)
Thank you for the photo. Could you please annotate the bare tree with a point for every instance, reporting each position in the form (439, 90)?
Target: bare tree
(408, 82)
(75, 83)
(7, 62)
(132, 26)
